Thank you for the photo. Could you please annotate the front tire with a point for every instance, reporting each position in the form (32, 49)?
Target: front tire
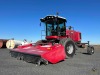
(69, 47)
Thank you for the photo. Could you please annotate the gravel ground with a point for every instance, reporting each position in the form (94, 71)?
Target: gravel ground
(80, 64)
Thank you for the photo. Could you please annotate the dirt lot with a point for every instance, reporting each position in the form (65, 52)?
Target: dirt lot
(97, 47)
(80, 64)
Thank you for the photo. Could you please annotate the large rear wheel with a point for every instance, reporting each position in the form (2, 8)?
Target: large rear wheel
(69, 46)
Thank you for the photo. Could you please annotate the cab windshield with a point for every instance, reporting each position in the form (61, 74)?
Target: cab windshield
(55, 29)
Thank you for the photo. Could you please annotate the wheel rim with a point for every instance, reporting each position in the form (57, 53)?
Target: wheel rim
(92, 51)
(70, 49)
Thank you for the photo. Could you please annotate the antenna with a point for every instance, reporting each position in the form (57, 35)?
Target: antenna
(57, 13)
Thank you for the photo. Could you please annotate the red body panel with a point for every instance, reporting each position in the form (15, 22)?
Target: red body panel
(74, 35)
(55, 55)
(50, 37)
(51, 53)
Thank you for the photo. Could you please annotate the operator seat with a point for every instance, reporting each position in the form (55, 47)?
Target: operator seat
(58, 30)
(53, 32)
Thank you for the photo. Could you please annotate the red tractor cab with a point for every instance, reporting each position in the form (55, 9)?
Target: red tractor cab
(55, 27)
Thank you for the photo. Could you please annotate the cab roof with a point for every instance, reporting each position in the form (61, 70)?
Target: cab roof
(53, 18)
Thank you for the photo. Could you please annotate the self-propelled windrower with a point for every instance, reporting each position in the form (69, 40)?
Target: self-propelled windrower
(60, 42)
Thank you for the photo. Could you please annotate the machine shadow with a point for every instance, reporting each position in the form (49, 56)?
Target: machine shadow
(85, 53)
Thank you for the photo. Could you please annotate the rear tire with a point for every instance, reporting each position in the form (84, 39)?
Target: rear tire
(90, 50)
(69, 46)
